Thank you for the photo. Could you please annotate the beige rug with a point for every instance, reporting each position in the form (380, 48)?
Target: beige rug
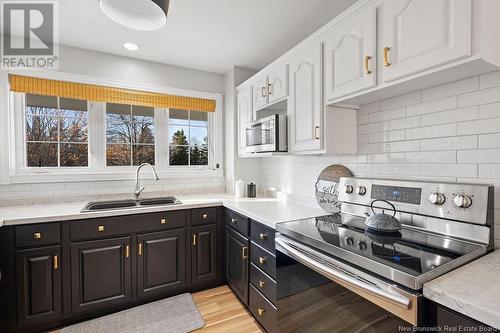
(176, 314)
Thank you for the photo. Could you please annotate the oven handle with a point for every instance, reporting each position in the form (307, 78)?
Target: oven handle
(393, 298)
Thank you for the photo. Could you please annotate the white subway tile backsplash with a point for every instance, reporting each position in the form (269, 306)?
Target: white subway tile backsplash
(387, 158)
(369, 108)
(397, 124)
(489, 140)
(454, 170)
(432, 157)
(363, 119)
(479, 97)
(401, 146)
(489, 80)
(479, 126)
(489, 171)
(491, 110)
(479, 156)
(453, 143)
(403, 100)
(369, 128)
(451, 89)
(387, 115)
(432, 132)
(363, 138)
(432, 106)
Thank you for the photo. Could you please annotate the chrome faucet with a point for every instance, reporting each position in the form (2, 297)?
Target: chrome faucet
(138, 188)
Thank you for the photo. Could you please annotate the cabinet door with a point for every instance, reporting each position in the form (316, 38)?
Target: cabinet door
(421, 34)
(278, 83)
(161, 263)
(305, 103)
(350, 55)
(260, 93)
(237, 263)
(204, 254)
(100, 273)
(245, 115)
(39, 297)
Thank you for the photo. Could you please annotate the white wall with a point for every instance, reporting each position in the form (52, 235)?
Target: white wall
(448, 133)
(120, 69)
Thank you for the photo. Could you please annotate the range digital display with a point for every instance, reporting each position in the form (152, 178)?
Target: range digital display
(410, 195)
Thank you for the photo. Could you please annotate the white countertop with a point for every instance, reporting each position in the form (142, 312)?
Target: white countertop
(473, 290)
(268, 211)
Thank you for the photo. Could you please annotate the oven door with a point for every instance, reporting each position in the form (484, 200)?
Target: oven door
(317, 293)
(261, 135)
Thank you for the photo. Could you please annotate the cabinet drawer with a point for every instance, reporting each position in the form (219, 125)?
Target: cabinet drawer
(263, 259)
(263, 236)
(202, 216)
(263, 282)
(263, 310)
(124, 225)
(38, 234)
(238, 222)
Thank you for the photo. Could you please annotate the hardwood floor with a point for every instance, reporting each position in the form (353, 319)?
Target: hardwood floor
(223, 312)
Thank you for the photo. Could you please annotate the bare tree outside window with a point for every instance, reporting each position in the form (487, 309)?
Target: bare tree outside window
(188, 137)
(56, 132)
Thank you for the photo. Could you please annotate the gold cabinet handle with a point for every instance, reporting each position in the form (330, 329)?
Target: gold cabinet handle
(316, 132)
(263, 91)
(270, 89)
(233, 221)
(163, 221)
(263, 236)
(261, 311)
(386, 56)
(262, 284)
(262, 260)
(205, 216)
(244, 252)
(37, 235)
(367, 65)
(127, 251)
(140, 249)
(100, 228)
(56, 262)
(194, 240)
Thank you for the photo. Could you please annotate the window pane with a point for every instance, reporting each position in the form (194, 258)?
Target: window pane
(118, 155)
(143, 133)
(118, 131)
(41, 101)
(178, 117)
(199, 118)
(73, 130)
(73, 107)
(143, 154)
(179, 155)
(198, 135)
(117, 112)
(199, 155)
(179, 135)
(41, 154)
(143, 114)
(74, 155)
(41, 111)
(41, 128)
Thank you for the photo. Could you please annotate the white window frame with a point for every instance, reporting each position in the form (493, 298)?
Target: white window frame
(97, 169)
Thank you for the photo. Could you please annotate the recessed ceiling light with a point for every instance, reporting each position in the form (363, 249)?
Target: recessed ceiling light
(145, 15)
(130, 46)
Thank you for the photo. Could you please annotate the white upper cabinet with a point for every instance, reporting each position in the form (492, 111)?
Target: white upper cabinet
(277, 88)
(260, 92)
(245, 115)
(305, 104)
(350, 55)
(421, 34)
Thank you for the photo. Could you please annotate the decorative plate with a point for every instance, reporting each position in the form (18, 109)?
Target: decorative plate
(327, 187)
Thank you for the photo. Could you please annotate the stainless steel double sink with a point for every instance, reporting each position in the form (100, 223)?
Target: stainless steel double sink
(129, 204)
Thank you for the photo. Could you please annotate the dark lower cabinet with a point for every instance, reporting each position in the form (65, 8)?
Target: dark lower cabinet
(39, 286)
(237, 248)
(161, 262)
(100, 274)
(204, 254)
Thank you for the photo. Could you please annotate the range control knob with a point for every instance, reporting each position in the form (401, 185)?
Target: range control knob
(349, 241)
(361, 190)
(349, 189)
(462, 201)
(362, 245)
(437, 198)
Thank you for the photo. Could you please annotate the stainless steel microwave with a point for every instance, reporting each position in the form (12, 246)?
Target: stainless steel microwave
(267, 134)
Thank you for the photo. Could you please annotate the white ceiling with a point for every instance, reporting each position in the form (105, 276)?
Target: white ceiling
(209, 35)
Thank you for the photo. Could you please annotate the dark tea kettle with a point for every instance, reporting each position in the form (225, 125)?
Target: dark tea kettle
(382, 222)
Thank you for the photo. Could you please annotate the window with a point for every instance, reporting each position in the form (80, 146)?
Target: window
(56, 132)
(188, 143)
(130, 135)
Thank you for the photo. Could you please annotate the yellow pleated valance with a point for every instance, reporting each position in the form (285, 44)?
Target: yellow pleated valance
(90, 92)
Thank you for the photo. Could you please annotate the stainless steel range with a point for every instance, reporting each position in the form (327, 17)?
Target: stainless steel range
(444, 225)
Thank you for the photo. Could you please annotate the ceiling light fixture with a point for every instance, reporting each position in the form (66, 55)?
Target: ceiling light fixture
(130, 46)
(145, 15)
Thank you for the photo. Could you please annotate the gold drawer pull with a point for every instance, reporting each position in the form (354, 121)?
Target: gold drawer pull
(262, 284)
(37, 235)
(194, 240)
(262, 260)
(386, 56)
(261, 311)
(100, 228)
(367, 65)
(270, 89)
(140, 249)
(56, 262)
(163, 221)
(244, 252)
(263, 91)
(127, 251)
(234, 221)
(205, 216)
(263, 236)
